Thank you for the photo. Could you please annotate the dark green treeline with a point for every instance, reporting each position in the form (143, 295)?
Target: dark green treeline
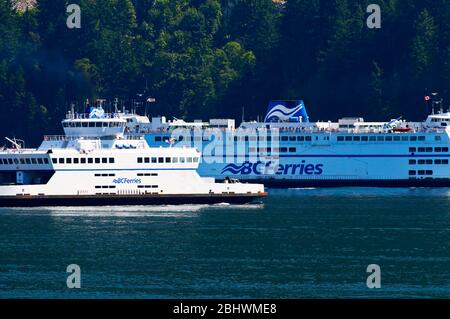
(210, 58)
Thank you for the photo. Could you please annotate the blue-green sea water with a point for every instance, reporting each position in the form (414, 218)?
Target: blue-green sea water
(302, 243)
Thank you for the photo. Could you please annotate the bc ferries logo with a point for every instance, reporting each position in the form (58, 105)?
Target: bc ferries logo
(127, 181)
(268, 168)
(97, 113)
(286, 110)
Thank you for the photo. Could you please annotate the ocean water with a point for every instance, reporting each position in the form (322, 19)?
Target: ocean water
(299, 243)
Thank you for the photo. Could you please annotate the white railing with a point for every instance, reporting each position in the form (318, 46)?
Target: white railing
(86, 116)
(59, 138)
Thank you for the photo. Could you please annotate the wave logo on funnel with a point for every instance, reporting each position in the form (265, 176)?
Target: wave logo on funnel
(286, 111)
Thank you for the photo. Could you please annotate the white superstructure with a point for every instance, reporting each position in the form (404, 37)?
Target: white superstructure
(96, 164)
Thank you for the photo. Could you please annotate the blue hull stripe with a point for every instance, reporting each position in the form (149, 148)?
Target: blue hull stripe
(348, 156)
(127, 169)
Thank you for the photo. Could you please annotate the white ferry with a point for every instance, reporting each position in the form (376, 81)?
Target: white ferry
(95, 163)
(286, 150)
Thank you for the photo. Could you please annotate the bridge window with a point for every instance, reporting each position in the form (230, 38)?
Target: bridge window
(182, 160)
(90, 160)
(292, 138)
(283, 149)
(348, 138)
(45, 160)
(356, 138)
(111, 160)
(340, 138)
(158, 139)
(139, 160)
(195, 159)
(388, 138)
(189, 159)
(284, 138)
(372, 138)
(68, 161)
(445, 149)
(412, 173)
(421, 138)
(160, 159)
(54, 160)
(412, 162)
(397, 138)
(146, 160)
(292, 149)
(97, 160)
(175, 160)
(83, 160)
(421, 162)
(413, 138)
(168, 160)
(76, 160)
(154, 160)
(364, 138)
(380, 138)
(412, 150)
(104, 160)
(61, 161)
(308, 138)
(28, 161)
(34, 161)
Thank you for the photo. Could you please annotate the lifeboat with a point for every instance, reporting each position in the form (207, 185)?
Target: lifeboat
(402, 129)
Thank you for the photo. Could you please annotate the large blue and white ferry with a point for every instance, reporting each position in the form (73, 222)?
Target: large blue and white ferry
(287, 150)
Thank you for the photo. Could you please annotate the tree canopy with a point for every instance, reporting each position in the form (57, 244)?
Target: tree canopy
(210, 58)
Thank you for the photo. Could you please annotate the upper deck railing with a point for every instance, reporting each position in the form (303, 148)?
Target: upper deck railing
(86, 116)
(66, 138)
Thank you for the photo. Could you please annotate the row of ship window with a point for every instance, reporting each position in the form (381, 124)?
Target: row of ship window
(347, 138)
(113, 186)
(428, 149)
(420, 173)
(153, 160)
(24, 161)
(275, 149)
(381, 138)
(429, 162)
(94, 124)
(83, 160)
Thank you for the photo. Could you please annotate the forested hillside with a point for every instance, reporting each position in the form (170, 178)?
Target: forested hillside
(209, 58)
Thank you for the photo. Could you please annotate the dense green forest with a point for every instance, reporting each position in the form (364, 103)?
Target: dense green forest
(210, 58)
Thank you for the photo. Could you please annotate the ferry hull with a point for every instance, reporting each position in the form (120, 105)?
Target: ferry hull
(297, 183)
(111, 200)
